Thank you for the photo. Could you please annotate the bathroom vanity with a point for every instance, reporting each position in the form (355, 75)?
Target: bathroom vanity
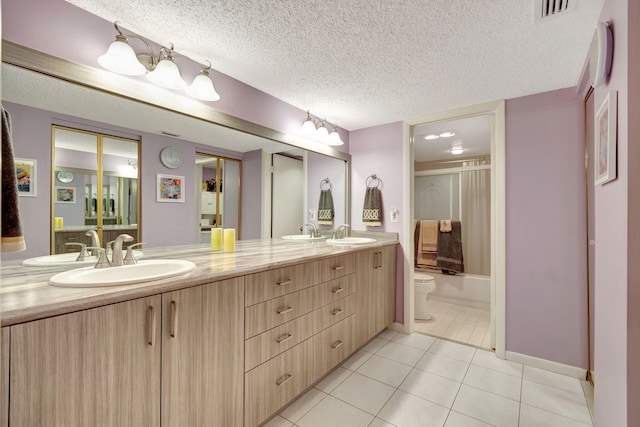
(229, 344)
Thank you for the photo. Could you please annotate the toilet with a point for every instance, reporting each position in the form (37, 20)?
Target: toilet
(423, 285)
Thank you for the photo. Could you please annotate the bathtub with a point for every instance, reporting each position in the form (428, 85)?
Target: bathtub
(463, 289)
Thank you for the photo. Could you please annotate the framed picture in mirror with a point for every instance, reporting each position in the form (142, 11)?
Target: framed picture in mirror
(170, 188)
(65, 194)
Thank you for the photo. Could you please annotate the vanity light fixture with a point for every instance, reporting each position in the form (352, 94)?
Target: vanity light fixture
(316, 129)
(161, 70)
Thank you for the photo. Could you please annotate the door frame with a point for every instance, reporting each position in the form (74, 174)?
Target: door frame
(496, 111)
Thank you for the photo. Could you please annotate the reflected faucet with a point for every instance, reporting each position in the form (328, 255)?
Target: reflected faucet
(116, 258)
(314, 230)
(342, 231)
(95, 241)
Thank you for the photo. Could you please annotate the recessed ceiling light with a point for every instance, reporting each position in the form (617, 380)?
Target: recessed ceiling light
(432, 136)
(447, 134)
(457, 150)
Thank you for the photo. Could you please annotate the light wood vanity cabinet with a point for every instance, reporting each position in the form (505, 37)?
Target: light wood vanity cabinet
(98, 367)
(375, 292)
(230, 353)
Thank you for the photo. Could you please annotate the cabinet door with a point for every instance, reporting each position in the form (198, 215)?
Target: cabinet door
(202, 355)
(4, 377)
(97, 367)
(366, 295)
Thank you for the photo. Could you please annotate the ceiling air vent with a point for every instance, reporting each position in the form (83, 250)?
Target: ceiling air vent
(544, 9)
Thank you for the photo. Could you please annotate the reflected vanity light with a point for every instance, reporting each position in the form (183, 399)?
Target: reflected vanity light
(161, 69)
(316, 129)
(456, 150)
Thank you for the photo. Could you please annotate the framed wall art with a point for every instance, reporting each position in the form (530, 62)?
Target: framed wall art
(606, 139)
(26, 176)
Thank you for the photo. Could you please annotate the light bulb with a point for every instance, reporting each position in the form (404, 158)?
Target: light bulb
(120, 58)
(167, 75)
(202, 88)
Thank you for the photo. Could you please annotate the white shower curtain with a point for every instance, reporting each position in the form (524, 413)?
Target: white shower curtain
(476, 219)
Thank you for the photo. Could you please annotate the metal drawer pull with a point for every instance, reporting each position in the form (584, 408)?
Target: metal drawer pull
(337, 344)
(337, 290)
(336, 311)
(338, 268)
(152, 325)
(284, 379)
(174, 319)
(285, 282)
(283, 338)
(284, 310)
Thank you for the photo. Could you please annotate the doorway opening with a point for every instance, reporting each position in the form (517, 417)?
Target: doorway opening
(495, 111)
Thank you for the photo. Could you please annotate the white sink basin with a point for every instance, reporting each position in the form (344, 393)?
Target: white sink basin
(66, 260)
(144, 271)
(302, 237)
(351, 241)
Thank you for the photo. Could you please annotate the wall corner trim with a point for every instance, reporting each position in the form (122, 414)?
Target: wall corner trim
(559, 368)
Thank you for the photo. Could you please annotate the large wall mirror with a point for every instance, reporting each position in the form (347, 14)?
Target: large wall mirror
(38, 102)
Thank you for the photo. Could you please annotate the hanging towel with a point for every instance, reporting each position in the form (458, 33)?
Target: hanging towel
(325, 208)
(372, 211)
(427, 244)
(449, 256)
(12, 237)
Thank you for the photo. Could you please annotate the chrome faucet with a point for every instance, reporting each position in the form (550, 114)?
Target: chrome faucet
(95, 241)
(83, 249)
(342, 231)
(116, 258)
(314, 230)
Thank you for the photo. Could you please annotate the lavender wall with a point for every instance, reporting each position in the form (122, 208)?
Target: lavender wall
(546, 278)
(378, 150)
(320, 167)
(617, 234)
(66, 31)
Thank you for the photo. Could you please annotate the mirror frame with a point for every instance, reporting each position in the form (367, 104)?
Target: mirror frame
(124, 87)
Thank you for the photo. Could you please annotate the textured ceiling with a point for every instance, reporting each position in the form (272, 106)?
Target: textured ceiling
(367, 62)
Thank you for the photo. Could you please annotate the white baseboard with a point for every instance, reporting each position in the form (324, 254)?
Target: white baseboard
(460, 301)
(560, 368)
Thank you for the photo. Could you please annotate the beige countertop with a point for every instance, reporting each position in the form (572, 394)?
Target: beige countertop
(25, 294)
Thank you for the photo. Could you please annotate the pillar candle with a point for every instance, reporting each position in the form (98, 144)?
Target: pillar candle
(216, 239)
(229, 240)
(59, 222)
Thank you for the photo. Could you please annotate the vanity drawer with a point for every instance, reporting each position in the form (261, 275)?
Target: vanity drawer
(273, 384)
(333, 290)
(263, 347)
(332, 346)
(331, 268)
(274, 283)
(269, 314)
(333, 313)
(274, 341)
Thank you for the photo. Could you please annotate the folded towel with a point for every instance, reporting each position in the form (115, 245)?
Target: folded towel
(450, 249)
(445, 226)
(372, 211)
(12, 238)
(325, 208)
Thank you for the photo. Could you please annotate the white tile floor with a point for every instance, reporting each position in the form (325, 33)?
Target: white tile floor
(456, 322)
(416, 380)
